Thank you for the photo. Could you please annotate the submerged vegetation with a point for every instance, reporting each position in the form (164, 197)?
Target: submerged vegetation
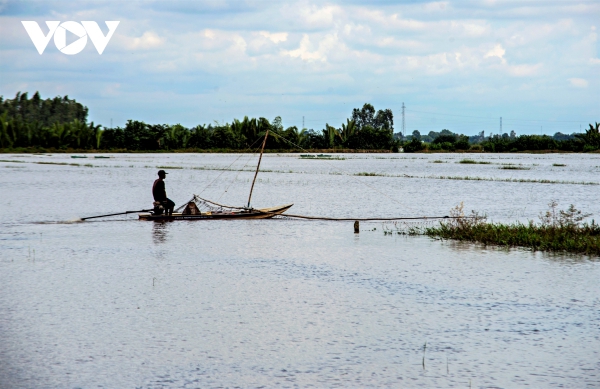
(514, 167)
(558, 231)
(363, 174)
(470, 161)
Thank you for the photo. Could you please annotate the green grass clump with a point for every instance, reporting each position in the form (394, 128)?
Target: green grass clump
(58, 163)
(513, 167)
(559, 231)
(470, 161)
(437, 161)
(582, 240)
(559, 164)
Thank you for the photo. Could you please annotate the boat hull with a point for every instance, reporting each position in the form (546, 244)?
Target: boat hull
(263, 213)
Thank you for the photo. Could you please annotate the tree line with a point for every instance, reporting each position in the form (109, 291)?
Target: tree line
(60, 123)
(449, 141)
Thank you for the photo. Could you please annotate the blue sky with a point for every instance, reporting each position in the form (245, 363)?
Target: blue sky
(459, 65)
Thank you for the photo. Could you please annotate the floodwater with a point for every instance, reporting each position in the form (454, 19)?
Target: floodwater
(122, 303)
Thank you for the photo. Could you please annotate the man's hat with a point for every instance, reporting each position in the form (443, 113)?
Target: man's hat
(162, 172)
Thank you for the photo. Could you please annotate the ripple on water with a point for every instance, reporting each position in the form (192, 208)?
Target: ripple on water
(123, 303)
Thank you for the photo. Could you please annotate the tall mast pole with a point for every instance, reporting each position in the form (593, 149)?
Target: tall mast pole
(258, 166)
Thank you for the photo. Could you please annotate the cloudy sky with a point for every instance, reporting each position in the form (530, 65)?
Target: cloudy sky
(459, 65)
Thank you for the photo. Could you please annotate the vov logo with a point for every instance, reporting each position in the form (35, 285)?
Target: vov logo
(59, 30)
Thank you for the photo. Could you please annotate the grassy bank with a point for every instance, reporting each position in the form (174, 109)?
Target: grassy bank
(558, 231)
(584, 239)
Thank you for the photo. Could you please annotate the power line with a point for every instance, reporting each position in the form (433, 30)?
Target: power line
(489, 118)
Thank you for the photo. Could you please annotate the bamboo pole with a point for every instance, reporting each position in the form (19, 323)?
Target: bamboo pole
(115, 214)
(258, 166)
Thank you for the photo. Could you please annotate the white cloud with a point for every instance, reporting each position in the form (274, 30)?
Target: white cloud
(469, 29)
(304, 51)
(578, 82)
(148, 40)
(312, 16)
(275, 37)
(524, 70)
(497, 51)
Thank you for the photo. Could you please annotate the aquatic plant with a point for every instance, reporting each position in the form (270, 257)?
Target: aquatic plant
(558, 231)
(513, 167)
(470, 161)
(365, 174)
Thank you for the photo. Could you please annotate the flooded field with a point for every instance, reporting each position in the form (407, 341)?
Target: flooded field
(119, 302)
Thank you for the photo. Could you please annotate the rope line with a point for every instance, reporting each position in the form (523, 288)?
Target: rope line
(213, 205)
(238, 174)
(226, 169)
(340, 170)
(364, 219)
(223, 171)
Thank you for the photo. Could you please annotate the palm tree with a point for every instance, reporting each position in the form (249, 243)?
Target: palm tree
(591, 136)
(6, 141)
(329, 133)
(347, 131)
(98, 135)
(59, 135)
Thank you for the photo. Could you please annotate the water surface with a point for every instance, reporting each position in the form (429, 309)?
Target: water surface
(290, 303)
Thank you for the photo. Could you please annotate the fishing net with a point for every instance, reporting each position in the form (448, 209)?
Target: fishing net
(206, 206)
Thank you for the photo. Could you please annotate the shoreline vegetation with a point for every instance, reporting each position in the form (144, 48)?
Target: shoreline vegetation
(42, 150)
(59, 125)
(52, 150)
(558, 231)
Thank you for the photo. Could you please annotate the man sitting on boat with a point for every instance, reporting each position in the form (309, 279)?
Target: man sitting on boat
(160, 194)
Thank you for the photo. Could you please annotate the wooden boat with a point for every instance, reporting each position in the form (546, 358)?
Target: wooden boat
(250, 213)
(213, 210)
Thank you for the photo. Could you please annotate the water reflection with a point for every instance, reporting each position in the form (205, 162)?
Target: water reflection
(159, 232)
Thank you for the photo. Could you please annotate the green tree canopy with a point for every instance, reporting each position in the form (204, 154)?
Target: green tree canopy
(366, 116)
(46, 112)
